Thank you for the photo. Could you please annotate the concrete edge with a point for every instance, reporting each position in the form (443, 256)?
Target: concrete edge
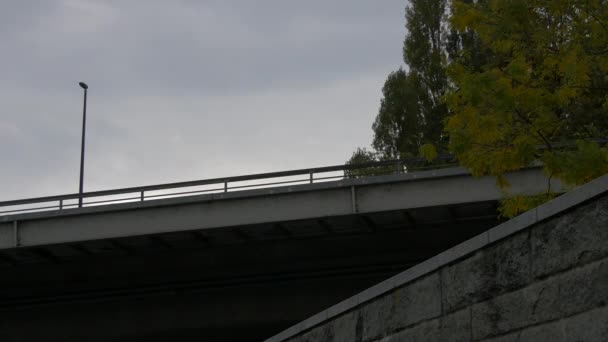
(344, 183)
(552, 208)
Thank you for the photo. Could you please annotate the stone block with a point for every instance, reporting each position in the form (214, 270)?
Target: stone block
(463, 283)
(510, 264)
(423, 332)
(415, 302)
(552, 332)
(584, 288)
(513, 337)
(546, 332)
(345, 327)
(456, 327)
(569, 240)
(487, 273)
(515, 310)
(591, 326)
(375, 317)
(575, 291)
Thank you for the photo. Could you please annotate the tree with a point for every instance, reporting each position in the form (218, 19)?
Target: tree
(363, 156)
(360, 156)
(397, 127)
(425, 53)
(412, 111)
(542, 86)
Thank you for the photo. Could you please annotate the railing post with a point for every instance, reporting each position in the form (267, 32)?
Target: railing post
(311, 178)
(398, 166)
(225, 185)
(141, 196)
(60, 204)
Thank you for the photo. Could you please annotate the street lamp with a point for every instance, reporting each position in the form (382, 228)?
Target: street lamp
(84, 121)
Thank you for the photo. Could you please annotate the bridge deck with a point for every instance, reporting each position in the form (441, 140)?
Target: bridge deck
(264, 208)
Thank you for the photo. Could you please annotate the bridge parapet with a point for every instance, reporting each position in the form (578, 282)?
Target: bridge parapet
(222, 185)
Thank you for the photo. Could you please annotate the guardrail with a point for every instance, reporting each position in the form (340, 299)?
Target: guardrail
(225, 184)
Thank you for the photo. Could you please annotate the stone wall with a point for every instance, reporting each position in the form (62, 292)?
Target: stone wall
(542, 277)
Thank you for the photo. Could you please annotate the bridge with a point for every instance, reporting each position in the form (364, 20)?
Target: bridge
(229, 259)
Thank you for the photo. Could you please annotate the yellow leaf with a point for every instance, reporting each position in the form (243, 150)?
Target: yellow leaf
(428, 151)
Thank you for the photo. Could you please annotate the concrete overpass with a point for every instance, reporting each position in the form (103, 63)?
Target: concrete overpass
(229, 264)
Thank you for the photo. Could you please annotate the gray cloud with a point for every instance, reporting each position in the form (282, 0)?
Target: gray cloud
(187, 89)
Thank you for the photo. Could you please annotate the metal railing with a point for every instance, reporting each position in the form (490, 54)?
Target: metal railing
(222, 185)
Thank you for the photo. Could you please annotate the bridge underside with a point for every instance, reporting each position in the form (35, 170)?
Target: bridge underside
(241, 283)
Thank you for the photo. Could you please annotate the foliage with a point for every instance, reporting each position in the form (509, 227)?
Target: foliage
(512, 206)
(587, 162)
(363, 156)
(542, 85)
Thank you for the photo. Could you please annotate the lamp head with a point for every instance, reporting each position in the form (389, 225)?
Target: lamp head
(83, 85)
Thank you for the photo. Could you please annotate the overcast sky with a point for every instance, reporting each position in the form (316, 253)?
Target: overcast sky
(184, 90)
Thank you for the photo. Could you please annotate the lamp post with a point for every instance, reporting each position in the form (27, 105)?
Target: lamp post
(84, 121)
